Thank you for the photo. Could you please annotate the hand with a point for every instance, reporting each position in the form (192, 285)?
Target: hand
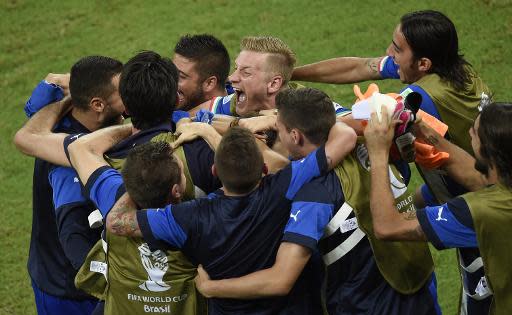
(190, 131)
(202, 279)
(259, 124)
(379, 134)
(61, 80)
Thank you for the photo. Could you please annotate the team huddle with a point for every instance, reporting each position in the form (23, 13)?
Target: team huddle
(249, 193)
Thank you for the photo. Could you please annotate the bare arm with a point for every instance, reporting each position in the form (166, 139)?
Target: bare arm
(277, 280)
(86, 153)
(122, 219)
(339, 70)
(342, 140)
(191, 131)
(36, 139)
(460, 166)
(273, 160)
(388, 223)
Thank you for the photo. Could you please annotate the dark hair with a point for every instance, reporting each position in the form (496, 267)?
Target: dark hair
(432, 35)
(209, 53)
(92, 77)
(149, 173)
(148, 88)
(309, 110)
(495, 133)
(238, 161)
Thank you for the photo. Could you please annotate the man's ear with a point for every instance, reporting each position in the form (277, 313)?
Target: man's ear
(214, 171)
(176, 193)
(275, 84)
(297, 136)
(209, 84)
(97, 104)
(424, 64)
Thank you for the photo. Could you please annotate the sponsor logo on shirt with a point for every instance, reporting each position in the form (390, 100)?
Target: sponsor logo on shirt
(156, 266)
(294, 216)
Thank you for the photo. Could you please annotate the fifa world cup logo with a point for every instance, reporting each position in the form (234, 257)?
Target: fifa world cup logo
(156, 266)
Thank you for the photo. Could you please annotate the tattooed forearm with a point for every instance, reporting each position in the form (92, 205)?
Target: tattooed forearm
(122, 221)
(373, 64)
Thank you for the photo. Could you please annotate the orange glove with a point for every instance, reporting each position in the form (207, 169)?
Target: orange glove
(426, 154)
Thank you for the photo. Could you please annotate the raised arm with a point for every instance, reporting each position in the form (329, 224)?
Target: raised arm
(86, 153)
(36, 139)
(388, 223)
(339, 70)
(341, 141)
(460, 166)
(275, 281)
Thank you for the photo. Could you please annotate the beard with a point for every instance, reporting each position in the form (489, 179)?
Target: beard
(482, 167)
(194, 99)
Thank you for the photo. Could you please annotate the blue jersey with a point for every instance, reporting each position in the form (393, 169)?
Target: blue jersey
(451, 226)
(354, 283)
(53, 262)
(234, 236)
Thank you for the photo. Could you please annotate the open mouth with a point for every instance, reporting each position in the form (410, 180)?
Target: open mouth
(240, 96)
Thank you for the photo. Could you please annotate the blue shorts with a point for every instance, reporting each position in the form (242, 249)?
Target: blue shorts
(47, 304)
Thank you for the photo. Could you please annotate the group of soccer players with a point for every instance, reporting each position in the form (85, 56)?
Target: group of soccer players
(252, 194)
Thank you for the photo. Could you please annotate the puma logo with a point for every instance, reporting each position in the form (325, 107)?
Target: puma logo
(294, 216)
(439, 213)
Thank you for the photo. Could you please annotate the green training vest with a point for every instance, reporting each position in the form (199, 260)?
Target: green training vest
(458, 109)
(491, 209)
(137, 280)
(406, 266)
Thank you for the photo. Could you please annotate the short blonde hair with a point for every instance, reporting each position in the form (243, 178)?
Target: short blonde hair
(281, 59)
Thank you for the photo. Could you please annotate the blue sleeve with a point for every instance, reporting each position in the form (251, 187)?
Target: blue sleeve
(160, 225)
(222, 105)
(388, 68)
(449, 225)
(104, 187)
(302, 171)
(311, 211)
(427, 105)
(66, 186)
(68, 140)
(43, 94)
(71, 213)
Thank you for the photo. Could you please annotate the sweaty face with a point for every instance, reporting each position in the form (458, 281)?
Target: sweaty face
(401, 52)
(250, 81)
(190, 91)
(114, 107)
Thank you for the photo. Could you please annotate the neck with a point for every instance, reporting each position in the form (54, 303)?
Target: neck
(87, 118)
(215, 93)
(306, 148)
(229, 193)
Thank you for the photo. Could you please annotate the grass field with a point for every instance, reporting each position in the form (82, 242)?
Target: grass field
(38, 37)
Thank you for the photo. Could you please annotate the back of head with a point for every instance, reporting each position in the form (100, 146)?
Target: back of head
(92, 77)
(148, 88)
(238, 161)
(149, 173)
(281, 59)
(495, 133)
(431, 34)
(309, 110)
(209, 53)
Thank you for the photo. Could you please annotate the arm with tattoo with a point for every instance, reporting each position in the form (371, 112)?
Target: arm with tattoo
(341, 141)
(122, 219)
(339, 70)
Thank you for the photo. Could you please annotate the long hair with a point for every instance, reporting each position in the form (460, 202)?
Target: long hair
(432, 35)
(495, 133)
